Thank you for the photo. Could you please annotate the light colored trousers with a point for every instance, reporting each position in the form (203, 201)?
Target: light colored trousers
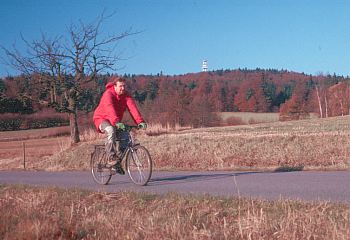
(113, 148)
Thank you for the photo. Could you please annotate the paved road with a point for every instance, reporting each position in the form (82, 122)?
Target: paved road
(305, 185)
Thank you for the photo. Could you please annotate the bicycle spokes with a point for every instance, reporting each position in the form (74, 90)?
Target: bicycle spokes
(100, 172)
(139, 165)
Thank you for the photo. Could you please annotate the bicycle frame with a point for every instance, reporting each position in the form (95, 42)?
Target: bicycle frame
(139, 169)
(131, 142)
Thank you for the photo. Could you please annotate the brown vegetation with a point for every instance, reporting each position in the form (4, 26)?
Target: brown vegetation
(48, 213)
(242, 118)
(306, 144)
(191, 99)
(41, 145)
(43, 119)
(183, 99)
(311, 144)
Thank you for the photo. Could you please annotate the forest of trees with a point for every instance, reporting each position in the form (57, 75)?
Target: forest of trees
(194, 98)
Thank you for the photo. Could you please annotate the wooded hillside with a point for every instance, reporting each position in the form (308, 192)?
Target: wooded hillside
(192, 99)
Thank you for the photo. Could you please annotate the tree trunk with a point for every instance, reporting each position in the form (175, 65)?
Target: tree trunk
(73, 117)
(319, 102)
(51, 95)
(325, 100)
(74, 130)
(340, 103)
(54, 93)
(348, 98)
(341, 107)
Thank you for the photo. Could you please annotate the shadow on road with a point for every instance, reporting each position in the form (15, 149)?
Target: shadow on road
(165, 180)
(289, 168)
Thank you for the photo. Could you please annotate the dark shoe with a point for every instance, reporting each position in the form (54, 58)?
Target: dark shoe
(118, 168)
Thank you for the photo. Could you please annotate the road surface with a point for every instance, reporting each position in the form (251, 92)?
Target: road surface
(304, 185)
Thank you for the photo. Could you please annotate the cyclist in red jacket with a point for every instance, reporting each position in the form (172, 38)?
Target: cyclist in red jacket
(108, 116)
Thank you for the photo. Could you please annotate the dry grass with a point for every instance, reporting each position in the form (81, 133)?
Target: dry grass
(251, 117)
(295, 145)
(48, 213)
(90, 134)
(11, 153)
(159, 129)
(44, 150)
(315, 143)
(248, 117)
(34, 134)
(57, 154)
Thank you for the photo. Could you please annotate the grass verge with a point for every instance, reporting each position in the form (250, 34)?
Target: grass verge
(51, 213)
(316, 144)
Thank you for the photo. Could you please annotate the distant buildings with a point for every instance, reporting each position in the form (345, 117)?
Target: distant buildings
(205, 66)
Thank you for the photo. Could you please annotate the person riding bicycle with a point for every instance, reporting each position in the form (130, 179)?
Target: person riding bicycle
(108, 116)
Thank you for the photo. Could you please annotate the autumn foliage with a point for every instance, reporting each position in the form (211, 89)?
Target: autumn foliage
(194, 98)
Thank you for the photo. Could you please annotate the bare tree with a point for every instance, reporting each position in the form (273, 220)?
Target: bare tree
(67, 62)
(339, 99)
(322, 94)
(319, 101)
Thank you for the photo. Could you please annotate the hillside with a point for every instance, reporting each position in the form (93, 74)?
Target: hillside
(303, 144)
(190, 99)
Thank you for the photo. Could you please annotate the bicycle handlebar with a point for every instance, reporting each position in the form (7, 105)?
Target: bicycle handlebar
(130, 127)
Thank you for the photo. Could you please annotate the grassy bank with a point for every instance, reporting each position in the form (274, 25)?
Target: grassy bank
(306, 144)
(48, 213)
(315, 143)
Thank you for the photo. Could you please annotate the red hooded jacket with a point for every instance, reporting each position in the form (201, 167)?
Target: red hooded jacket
(112, 108)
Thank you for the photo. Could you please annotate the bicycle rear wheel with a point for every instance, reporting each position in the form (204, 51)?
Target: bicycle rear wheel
(139, 165)
(99, 170)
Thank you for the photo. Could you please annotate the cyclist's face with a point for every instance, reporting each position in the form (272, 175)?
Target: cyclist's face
(119, 88)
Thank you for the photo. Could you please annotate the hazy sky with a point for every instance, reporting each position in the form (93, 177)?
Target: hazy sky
(310, 36)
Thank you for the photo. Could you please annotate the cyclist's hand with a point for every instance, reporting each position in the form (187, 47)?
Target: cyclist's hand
(142, 125)
(120, 126)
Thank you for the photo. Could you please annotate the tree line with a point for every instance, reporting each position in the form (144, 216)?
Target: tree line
(193, 99)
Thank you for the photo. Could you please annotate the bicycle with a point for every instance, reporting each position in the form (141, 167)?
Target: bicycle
(138, 162)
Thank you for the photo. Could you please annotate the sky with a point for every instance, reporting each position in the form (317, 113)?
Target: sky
(310, 36)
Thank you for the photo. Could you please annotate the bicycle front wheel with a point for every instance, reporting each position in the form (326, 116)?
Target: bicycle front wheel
(100, 172)
(139, 165)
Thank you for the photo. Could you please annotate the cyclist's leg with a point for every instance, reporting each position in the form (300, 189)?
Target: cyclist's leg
(110, 134)
(120, 147)
(122, 144)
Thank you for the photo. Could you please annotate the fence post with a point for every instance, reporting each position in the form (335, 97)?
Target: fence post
(24, 155)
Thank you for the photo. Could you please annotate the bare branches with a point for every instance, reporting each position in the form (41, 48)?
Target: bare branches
(66, 62)
(83, 51)
(87, 48)
(17, 61)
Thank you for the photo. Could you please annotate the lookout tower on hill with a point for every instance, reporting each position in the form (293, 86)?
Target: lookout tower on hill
(205, 66)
